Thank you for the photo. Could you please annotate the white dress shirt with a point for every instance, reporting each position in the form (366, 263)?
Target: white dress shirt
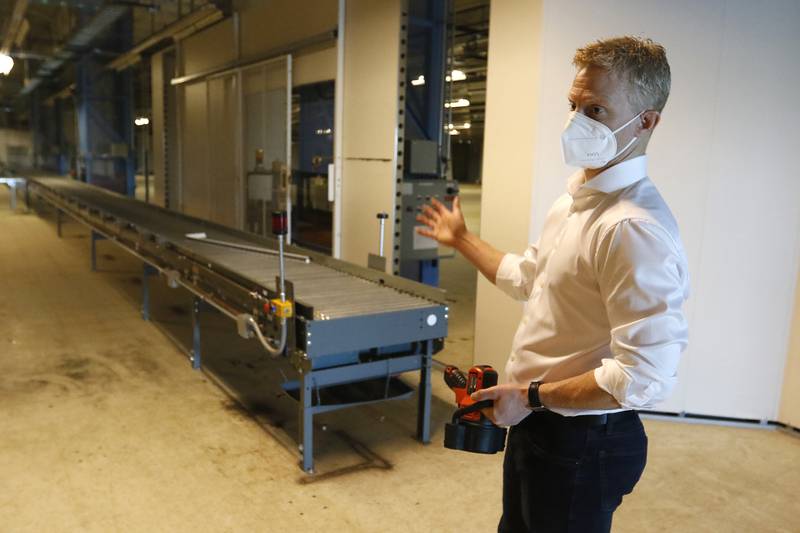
(603, 290)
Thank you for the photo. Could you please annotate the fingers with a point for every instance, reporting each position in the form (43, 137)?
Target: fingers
(489, 413)
(439, 206)
(429, 212)
(457, 204)
(426, 233)
(427, 221)
(485, 394)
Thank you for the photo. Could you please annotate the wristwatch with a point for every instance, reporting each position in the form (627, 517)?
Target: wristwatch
(534, 403)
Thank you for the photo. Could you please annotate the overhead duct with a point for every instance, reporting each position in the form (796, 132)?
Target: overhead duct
(79, 41)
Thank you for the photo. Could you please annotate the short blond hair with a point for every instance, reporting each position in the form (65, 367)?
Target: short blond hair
(639, 61)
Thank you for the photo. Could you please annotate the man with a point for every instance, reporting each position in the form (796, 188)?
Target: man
(602, 328)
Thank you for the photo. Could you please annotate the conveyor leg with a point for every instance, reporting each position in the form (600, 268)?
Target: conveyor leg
(12, 200)
(147, 270)
(306, 424)
(95, 237)
(196, 333)
(58, 222)
(424, 410)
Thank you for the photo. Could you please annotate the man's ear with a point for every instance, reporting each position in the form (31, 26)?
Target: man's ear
(649, 120)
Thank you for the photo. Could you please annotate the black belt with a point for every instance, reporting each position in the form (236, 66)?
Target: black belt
(581, 420)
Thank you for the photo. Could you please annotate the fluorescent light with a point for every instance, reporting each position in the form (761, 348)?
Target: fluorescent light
(456, 75)
(461, 102)
(326, 131)
(452, 127)
(454, 132)
(6, 64)
(419, 81)
(141, 121)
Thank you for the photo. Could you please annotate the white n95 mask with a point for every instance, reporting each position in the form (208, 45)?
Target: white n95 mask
(587, 143)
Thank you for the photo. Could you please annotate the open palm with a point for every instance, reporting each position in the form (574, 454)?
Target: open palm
(442, 224)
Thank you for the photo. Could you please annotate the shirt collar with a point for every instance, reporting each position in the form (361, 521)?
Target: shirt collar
(612, 179)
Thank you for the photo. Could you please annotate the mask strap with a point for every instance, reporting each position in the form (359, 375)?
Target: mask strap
(626, 147)
(626, 124)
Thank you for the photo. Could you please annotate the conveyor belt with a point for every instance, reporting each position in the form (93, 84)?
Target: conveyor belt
(331, 293)
(351, 324)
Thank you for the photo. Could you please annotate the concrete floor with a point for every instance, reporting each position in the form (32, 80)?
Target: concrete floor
(105, 427)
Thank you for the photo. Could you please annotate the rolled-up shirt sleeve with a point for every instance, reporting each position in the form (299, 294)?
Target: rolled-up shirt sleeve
(516, 273)
(643, 279)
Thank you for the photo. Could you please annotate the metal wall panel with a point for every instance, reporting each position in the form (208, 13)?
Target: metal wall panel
(268, 25)
(210, 48)
(195, 151)
(225, 198)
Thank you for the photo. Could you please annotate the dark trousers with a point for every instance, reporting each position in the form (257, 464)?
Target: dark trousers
(569, 474)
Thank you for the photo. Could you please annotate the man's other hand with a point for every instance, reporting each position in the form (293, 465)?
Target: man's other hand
(510, 403)
(443, 225)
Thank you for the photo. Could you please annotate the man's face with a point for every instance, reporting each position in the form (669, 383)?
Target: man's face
(602, 96)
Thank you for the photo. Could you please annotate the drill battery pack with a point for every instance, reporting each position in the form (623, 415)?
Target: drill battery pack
(469, 429)
(475, 438)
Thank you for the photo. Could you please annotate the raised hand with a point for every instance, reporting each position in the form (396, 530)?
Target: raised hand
(442, 224)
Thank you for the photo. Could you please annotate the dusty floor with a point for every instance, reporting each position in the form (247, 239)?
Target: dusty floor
(105, 427)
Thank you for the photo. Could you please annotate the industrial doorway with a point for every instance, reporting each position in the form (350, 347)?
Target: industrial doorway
(312, 157)
(266, 115)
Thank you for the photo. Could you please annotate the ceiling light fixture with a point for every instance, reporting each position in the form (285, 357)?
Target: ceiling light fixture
(141, 121)
(461, 102)
(456, 75)
(6, 64)
(419, 81)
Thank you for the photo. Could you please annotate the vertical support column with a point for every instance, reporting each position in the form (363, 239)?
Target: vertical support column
(12, 198)
(95, 238)
(196, 305)
(306, 426)
(59, 216)
(424, 409)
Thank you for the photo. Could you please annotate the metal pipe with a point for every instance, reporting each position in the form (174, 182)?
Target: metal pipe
(281, 268)
(202, 237)
(381, 229)
(274, 351)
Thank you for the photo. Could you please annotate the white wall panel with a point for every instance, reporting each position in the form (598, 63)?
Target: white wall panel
(371, 63)
(744, 288)
(790, 401)
(722, 158)
(515, 51)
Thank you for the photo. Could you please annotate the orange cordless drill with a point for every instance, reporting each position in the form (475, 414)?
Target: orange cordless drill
(470, 430)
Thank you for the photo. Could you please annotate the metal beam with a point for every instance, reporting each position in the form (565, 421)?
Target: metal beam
(17, 16)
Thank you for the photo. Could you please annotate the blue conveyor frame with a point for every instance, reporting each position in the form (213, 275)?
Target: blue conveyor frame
(345, 350)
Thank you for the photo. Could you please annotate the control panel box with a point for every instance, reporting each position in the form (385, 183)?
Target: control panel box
(416, 194)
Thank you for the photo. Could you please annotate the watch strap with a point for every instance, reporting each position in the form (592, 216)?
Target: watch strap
(534, 402)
